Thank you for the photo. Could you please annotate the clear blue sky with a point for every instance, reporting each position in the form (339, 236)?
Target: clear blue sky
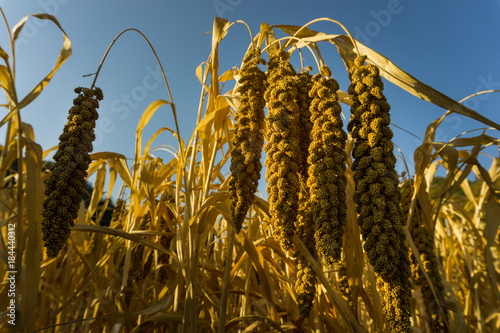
(452, 46)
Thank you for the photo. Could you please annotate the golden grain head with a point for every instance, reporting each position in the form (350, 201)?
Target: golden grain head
(305, 287)
(377, 195)
(118, 212)
(283, 148)
(66, 184)
(304, 224)
(435, 304)
(396, 306)
(248, 142)
(345, 289)
(327, 161)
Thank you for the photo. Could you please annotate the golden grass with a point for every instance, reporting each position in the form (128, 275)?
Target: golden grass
(171, 261)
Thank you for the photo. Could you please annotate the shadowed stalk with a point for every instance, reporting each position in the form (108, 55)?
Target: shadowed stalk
(225, 283)
(340, 304)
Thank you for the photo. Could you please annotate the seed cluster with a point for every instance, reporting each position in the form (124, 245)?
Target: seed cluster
(345, 289)
(118, 211)
(304, 224)
(304, 84)
(377, 195)
(283, 147)
(305, 285)
(395, 299)
(93, 246)
(248, 142)
(66, 183)
(425, 245)
(306, 164)
(435, 308)
(141, 260)
(327, 158)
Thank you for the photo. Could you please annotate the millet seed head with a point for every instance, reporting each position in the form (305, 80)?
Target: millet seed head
(327, 166)
(283, 148)
(377, 196)
(248, 142)
(66, 184)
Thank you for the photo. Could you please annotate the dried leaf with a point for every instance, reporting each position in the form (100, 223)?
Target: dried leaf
(388, 69)
(63, 56)
(33, 251)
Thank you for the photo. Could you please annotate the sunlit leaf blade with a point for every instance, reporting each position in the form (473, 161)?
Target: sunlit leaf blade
(122, 234)
(149, 112)
(4, 55)
(97, 192)
(396, 75)
(118, 162)
(220, 27)
(228, 75)
(63, 56)
(145, 118)
(33, 255)
(247, 321)
(389, 70)
(5, 80)
(491, 230)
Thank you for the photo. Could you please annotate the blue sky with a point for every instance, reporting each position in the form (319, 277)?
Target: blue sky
(452, 46)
